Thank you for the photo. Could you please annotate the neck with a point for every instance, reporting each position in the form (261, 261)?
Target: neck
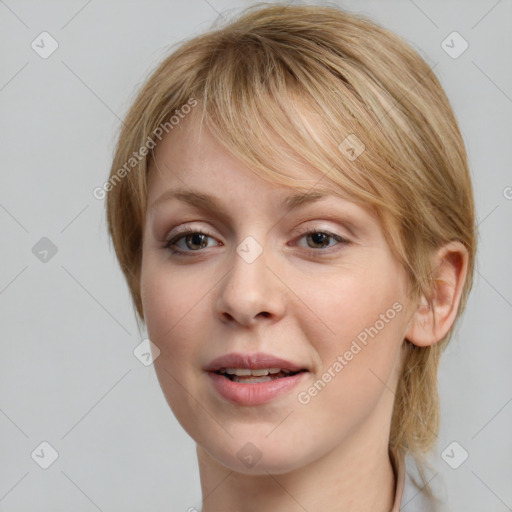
(356, 476)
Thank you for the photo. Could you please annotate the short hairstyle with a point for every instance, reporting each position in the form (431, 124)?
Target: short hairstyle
(352, 100)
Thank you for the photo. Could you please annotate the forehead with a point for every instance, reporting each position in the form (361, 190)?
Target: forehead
(196, 174)
(191, 154)
(192, 160)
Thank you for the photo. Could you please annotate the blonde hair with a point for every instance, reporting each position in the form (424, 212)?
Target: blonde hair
(293, 82)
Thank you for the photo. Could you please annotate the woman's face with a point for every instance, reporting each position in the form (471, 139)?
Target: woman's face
(243, 287)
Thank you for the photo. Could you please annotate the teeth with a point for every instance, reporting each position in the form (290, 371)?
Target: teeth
(252, 380)
(259, 373)
(242, 372)
(245, 372)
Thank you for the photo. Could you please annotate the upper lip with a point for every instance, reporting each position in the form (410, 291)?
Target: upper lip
(251, 361)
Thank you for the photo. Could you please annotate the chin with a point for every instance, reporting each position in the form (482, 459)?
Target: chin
(253, 455)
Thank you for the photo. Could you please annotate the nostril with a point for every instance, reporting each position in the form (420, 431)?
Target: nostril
(228, 317)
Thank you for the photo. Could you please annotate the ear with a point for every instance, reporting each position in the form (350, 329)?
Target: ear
(432, 320)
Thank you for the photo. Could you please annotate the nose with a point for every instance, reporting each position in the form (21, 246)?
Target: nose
(250, 293)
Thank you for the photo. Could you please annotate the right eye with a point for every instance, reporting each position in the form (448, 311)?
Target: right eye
(193, 241)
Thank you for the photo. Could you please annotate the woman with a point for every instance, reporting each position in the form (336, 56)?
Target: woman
(291, 206)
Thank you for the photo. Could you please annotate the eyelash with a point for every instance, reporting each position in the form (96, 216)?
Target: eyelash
(302, 233)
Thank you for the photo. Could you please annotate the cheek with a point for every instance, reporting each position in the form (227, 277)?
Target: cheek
(169, 299)
(173, 310)
(337, 309)
(355, 323)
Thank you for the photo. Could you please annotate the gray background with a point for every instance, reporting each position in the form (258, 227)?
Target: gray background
(68, 375)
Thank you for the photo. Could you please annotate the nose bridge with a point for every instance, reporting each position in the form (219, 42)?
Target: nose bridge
(250, 290)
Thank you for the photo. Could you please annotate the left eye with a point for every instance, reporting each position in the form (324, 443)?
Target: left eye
(321, 239)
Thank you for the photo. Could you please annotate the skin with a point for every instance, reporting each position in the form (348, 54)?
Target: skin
(328, 454)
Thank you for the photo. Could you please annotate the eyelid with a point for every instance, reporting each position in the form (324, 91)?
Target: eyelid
(181, 233)
(185, 230)
(299, 230)
(307, 229)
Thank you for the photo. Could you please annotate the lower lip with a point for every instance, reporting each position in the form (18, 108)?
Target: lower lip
(254, 393)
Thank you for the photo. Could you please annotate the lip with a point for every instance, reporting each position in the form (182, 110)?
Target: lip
(253, 393)
(251, 361)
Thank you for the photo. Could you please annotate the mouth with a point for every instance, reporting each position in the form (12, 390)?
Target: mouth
(254, 379)
(256, 376)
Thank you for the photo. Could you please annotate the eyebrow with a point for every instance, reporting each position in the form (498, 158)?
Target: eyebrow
(208, 202)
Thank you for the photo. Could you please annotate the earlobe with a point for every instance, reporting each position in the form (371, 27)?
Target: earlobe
(433, 318)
